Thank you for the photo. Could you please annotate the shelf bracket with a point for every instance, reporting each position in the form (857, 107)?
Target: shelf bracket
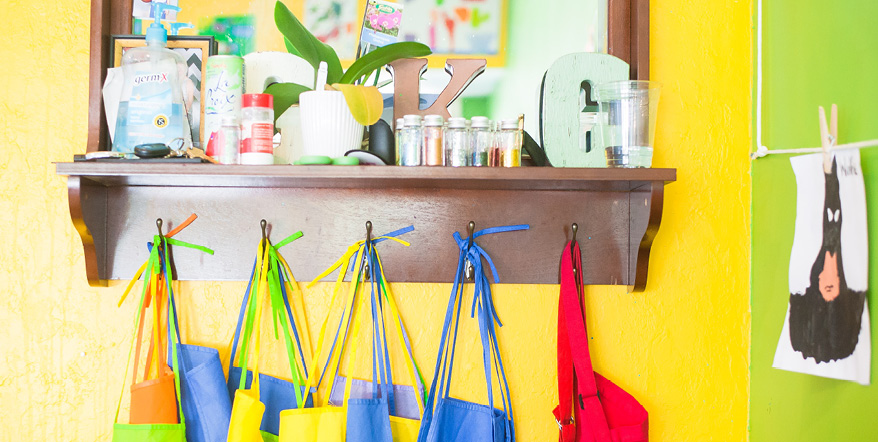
(645, 203)
(88, 201)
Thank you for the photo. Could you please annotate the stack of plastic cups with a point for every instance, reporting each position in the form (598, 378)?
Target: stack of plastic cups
(628, 130)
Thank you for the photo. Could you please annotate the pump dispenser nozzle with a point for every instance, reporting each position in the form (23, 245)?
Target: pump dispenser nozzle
(156, 31)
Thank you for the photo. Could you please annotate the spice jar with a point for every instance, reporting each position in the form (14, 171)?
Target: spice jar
(397, 137)
(410, 140)
(230, 140)
(457, 143)
(433, 151)
(481, 138)
(257, 129)
(509, 143)
(495, 152)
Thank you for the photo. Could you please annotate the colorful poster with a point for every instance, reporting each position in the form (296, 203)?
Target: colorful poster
(234, 34)
(336, 23)
(455, 26)
(826, 331)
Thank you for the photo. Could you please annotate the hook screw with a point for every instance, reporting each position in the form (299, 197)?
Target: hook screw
(574, 227)
(368, 245)
(469, 270)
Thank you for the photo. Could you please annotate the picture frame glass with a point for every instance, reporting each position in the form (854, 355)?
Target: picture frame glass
(195, 50)
(519, 39)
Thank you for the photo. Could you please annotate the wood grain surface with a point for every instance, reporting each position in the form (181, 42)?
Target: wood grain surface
(618, 211)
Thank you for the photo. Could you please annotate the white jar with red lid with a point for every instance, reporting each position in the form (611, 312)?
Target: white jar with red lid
(257, 129)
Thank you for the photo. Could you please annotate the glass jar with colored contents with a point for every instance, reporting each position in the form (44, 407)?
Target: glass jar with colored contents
(509, 143)
(434, 151)
(495, 152)
(397, 137)
(410, 140)
(457, 143)
(481, 138)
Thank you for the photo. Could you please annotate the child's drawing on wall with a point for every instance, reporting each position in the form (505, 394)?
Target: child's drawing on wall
(826, 331)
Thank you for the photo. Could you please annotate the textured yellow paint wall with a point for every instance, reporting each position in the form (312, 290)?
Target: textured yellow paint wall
(681, 347)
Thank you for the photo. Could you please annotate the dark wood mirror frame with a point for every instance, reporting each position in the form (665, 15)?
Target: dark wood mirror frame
(113, 205)
(628, 39)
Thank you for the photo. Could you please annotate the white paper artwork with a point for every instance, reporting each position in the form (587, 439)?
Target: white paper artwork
(826, 331)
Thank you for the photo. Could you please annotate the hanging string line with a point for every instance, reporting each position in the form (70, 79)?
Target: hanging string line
(763, 151)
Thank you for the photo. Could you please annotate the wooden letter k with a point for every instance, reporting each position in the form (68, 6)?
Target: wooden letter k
(407, 82)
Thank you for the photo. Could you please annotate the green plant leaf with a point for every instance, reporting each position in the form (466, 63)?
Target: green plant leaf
(381, 56)
(365, 102)
(305, 43)
(291, 49)
(295, 35)
(285, 95)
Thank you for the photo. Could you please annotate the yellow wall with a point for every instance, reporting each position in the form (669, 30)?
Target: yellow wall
(681, 347)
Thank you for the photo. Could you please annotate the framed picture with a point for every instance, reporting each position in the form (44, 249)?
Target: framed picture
(457, 28)
(194, 49)
(474, 29)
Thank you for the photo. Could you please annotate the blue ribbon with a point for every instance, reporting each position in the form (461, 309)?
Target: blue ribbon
(363, 256)
(394, 234)
(482, 299)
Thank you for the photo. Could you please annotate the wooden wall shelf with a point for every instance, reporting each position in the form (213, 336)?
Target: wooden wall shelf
(114, 206)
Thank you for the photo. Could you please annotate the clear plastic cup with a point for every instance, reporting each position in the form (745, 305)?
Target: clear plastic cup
(627, 121)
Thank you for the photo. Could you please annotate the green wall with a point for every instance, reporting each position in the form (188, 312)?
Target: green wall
(815, 53)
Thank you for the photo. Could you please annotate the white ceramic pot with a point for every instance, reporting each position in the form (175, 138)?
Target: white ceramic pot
(328, 127)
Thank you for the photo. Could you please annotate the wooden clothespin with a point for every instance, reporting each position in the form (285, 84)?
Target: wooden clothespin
(828, 136)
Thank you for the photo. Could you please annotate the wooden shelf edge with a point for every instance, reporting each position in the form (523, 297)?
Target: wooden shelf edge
(208, 175)
(92, 200)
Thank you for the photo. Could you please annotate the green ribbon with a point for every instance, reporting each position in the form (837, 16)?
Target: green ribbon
(280, 319)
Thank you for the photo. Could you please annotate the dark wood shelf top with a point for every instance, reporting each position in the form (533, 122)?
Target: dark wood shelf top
(114, 207)
(282, 176)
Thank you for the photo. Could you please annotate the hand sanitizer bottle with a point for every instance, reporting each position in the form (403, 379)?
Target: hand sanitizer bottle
(151, 105)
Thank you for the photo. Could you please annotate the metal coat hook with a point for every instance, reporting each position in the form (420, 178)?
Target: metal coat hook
(368, 245)
(263, 224)
(574, 227)
(158, 224)
(469, 270)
